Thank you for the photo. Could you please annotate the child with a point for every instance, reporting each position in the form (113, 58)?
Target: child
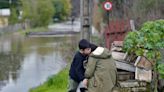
(77, 70)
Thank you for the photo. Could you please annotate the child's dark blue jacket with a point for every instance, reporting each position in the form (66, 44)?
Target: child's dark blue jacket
(77, 69)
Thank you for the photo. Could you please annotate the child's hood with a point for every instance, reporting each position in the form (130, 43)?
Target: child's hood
(101, 52)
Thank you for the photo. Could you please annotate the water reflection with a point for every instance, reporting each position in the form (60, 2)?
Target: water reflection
(28, 62)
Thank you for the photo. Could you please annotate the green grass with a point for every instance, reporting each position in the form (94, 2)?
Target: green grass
(56, 83)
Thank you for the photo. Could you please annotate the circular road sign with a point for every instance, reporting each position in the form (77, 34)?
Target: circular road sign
(107, 6)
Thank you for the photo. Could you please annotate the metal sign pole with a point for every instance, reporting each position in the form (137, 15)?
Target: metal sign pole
(108, 19)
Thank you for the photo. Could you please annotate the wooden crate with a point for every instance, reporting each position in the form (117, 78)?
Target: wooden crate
(142, 62)
(143, 75)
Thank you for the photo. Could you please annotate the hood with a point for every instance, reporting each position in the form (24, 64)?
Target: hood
(101, 52)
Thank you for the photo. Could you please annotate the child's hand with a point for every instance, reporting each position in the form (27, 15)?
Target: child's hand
(85, 82)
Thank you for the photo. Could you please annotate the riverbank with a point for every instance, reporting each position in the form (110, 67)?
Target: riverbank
(59, 82)
(38, 29)
(56, 83)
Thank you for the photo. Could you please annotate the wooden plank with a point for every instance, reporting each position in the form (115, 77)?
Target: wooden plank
(123, 76)
(135, 89)
(132, 25)
(117, 43)
(142, 62)
(143, 75)
(129, 84)
(118, 55)
(125, 66)
(132, 83)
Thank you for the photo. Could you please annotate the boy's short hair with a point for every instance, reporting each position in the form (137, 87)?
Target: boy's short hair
(83, 44)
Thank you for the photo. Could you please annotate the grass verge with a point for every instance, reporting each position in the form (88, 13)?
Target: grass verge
(56, 83)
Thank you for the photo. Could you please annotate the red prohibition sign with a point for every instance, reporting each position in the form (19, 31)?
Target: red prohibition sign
(107, 6)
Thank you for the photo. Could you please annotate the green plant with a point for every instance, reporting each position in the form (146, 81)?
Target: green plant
(13, 19)
(149, 38)
(160, 69)
(147, 41)
(62, 9)
(38, 12)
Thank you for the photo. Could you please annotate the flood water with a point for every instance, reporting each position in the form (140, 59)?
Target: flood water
(28, 62)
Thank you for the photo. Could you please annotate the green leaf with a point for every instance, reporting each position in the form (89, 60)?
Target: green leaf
(160, 68)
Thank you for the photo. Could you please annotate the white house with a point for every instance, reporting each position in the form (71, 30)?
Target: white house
(4, 16)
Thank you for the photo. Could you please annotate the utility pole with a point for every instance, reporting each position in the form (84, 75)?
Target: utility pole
(86, 19)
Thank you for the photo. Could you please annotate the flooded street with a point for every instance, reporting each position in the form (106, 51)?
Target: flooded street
(27, 62)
